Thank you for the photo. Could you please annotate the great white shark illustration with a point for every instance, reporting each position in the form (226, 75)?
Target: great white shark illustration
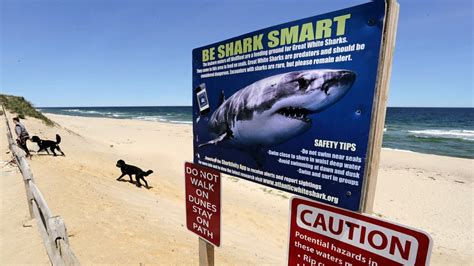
(273, 110)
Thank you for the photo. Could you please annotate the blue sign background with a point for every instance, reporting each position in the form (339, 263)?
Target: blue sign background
(347, 121)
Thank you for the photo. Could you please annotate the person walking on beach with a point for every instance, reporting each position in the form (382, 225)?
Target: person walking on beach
(22, 134)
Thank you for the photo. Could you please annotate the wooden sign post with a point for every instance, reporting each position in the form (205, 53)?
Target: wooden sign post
(380, 104)
(206, 253)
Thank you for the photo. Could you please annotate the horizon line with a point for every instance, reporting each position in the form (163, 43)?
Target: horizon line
(124, 106)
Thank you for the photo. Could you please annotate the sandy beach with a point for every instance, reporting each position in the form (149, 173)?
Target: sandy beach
(115, 222)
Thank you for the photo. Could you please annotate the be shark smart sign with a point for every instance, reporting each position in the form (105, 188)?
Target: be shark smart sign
(291, 106)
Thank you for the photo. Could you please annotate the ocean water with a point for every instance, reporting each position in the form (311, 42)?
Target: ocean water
(170, 114)
(441, 131)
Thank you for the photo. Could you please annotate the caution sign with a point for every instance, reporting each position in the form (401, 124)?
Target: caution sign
(325, 235)
(203, 202)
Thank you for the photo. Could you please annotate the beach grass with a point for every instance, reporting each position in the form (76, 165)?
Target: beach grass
(22, 108)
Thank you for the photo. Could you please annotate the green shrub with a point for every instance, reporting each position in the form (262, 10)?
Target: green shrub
(23, 108)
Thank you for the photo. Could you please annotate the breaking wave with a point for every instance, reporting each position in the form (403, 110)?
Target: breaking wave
(444, 134)
(175, 115)
(161, 119)
(81, 111)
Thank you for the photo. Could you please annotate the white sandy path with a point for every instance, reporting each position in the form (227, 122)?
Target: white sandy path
(115, 222)
(434, 193)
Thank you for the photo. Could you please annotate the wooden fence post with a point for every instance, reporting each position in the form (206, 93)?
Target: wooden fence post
(27, 177)
(59, 238)
(43, 230)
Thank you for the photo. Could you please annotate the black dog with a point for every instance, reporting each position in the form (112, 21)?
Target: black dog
(133, 170)
(45, 144)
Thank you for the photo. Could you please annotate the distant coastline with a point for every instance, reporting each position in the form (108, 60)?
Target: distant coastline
(441, 131)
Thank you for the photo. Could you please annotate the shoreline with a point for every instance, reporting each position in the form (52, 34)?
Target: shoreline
(125, 118)
(429, 192)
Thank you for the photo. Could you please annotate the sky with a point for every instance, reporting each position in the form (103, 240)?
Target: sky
(138, 53)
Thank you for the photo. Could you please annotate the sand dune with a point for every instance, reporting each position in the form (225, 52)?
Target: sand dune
(115, 222)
